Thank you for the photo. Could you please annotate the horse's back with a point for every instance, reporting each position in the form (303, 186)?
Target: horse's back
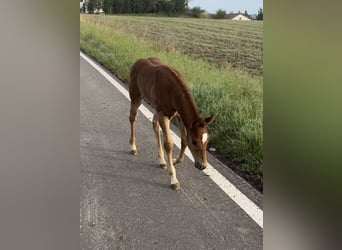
(156, 82)
(143, 64)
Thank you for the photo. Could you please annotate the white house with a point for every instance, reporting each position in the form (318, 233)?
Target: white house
(83, 6)
(238, 16)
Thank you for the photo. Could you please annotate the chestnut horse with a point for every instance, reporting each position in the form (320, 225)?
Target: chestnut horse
(165, 89)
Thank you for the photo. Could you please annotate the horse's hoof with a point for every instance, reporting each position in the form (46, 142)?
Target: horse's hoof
(177, 161)
(199, 166)
(163, 166)
(175, 186)
(133, 152)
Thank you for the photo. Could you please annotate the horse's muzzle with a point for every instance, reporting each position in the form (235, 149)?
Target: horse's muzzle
(199, 166)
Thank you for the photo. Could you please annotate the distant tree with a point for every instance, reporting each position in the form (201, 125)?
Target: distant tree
(179, 6)
(108, 6)
(196, 11)
(91, 6)
(134, 6)
(169, 7)
(119, 6)
(246, 14)
(186, 4)
(150, 6)
(260, 15)
(163, 6)
(220, 14)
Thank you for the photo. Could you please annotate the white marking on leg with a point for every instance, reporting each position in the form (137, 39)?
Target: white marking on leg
(204, 137)
(162, 161)
(134, 148)
(173, 180)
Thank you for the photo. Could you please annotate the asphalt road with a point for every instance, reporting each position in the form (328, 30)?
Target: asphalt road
(126, 201)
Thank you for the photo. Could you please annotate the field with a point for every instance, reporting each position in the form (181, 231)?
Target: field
(224, 43)
(221, 62)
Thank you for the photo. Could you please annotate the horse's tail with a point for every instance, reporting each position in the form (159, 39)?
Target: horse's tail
(134, 71)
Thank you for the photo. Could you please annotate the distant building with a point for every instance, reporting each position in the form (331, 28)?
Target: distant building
(84, 9)
(82, 4)
(238, 16)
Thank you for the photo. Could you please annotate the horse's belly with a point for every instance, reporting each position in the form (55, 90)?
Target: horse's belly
(154, 93)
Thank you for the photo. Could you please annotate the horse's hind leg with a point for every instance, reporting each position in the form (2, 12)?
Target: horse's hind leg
(156, 128)
(132, 119)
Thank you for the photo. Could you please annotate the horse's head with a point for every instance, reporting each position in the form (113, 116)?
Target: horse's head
(197, 139)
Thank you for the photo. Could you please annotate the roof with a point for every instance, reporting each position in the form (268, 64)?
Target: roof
(232, 15)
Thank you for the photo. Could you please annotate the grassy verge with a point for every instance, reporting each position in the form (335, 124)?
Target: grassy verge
(234, 97)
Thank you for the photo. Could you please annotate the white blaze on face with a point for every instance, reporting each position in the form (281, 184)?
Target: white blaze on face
(204, 137)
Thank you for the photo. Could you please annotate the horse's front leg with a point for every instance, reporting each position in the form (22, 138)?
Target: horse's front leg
(184, 144)
(156, 128)
(164, 122)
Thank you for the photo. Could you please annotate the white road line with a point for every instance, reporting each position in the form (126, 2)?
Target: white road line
(246, 204)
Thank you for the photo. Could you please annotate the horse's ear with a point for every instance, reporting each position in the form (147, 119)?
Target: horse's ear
(200, 122)
(209, 119)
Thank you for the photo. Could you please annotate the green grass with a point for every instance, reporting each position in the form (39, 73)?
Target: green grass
(233, 96)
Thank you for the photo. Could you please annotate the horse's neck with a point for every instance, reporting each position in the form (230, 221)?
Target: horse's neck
(185, 104)
(187, 110)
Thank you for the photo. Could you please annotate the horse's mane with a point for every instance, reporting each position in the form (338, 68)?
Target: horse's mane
(184, 87)
(180, 80)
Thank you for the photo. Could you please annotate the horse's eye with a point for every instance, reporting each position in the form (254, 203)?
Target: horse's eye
(194, 143)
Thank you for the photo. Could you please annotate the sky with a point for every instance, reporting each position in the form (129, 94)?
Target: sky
(252, 6)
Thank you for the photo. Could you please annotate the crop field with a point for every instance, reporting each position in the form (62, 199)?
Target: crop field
(220, 60)
(222, 42)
